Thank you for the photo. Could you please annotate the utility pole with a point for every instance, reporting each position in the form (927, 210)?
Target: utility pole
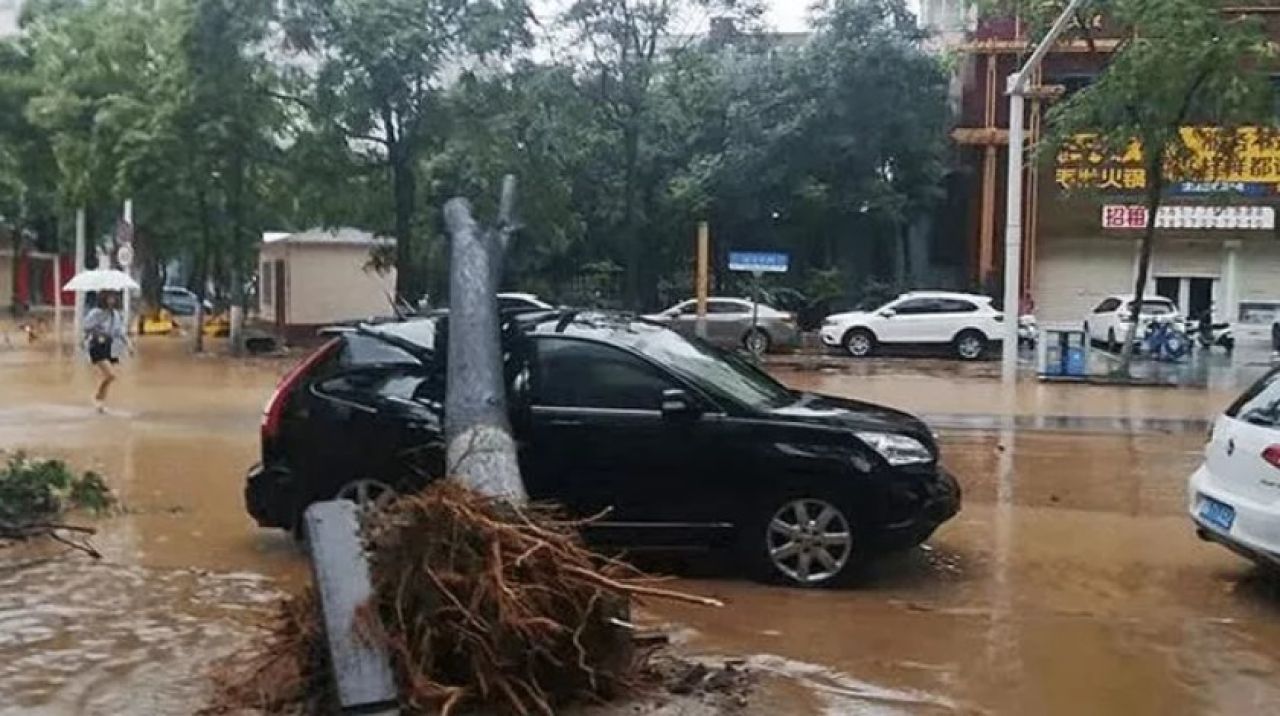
(704, 251)
(1013, 199)
(78, 319)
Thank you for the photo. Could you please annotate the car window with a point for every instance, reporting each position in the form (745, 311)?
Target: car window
(1260, 404)
(955, 305)
(917, 307)
(1107, 306)
(362, 350)
(580, 374)
(727, 307)
(687, 309)
(1155, 308)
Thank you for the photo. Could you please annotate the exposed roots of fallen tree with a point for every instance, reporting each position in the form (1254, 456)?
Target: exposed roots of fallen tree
(480, 605)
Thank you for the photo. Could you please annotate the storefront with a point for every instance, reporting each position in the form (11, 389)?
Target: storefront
(1217, 248)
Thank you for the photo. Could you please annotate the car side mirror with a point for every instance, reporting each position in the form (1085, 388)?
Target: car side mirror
(888, 313)
(677, 403)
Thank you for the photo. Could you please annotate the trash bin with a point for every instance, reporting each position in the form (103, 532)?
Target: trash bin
(1064, 353)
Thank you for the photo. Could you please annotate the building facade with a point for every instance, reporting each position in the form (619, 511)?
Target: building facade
(1217, 248)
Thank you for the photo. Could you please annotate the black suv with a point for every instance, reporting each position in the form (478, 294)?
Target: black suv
(680, 444)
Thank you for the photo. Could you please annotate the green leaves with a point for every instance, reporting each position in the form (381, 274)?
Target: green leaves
(34, 490)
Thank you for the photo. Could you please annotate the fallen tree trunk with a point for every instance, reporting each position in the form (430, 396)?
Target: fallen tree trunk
(481, 452)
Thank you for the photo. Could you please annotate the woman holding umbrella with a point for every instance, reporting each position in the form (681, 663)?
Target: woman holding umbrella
(105, 329)
(105, 338)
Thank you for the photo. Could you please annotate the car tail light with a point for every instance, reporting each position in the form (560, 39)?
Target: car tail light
(274, 410)
(1272, 455)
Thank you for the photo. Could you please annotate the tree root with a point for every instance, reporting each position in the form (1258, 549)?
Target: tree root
(480, 604)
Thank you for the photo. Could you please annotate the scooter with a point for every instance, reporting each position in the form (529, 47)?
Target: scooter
(1165, 341)
(1028, 332)
(1215, 335)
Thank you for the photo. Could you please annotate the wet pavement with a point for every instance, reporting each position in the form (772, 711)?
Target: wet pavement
(1071, 583)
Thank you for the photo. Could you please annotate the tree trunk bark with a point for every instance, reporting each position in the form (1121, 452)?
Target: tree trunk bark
(404, 183)
(630, 231)
(202, 272)
(480, 451)
(1155, 191)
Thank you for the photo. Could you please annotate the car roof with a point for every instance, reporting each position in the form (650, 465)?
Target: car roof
(948, 294)
(514, 294)
(606, 326)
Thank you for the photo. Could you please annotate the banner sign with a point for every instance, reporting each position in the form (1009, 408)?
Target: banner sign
(1240, 218)
(1246, 163)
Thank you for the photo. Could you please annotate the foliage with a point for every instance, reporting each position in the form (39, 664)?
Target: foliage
(381, 69)
(225, 118)
(1182, 62)
(33, 490)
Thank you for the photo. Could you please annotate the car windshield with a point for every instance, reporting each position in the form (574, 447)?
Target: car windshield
(721, 373)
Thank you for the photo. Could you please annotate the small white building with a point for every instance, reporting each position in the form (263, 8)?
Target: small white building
(315, 278)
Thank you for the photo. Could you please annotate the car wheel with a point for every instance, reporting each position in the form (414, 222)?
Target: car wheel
(859, 343)
(970, 345)
(756, 341)
(805, 541)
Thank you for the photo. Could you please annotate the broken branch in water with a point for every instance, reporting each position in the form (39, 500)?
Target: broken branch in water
(27, 531)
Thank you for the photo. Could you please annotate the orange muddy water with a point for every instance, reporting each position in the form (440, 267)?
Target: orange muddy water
(1070, 584)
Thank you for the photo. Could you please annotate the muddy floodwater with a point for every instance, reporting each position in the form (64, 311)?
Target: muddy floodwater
(1071, 583)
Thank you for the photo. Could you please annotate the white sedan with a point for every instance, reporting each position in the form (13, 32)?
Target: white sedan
(967, 323)
(1110, 320)
(1235, 495)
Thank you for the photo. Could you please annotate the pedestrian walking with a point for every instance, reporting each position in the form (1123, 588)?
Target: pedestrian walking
(105, 339)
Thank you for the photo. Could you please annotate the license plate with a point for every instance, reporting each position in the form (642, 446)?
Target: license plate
(1218, 514)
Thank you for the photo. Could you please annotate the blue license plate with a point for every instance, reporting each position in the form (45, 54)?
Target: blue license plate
(1218, 514)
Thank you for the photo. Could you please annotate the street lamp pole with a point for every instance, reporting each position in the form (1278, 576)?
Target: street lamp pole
(1013, 199)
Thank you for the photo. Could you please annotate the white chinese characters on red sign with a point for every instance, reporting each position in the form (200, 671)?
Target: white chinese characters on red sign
(1246, 218)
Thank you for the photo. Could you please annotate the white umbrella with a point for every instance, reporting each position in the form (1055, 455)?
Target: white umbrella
(101, 280)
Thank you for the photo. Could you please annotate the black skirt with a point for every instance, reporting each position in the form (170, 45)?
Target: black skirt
(100, 350)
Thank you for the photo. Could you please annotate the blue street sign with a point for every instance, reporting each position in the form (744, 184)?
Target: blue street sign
(759, 261)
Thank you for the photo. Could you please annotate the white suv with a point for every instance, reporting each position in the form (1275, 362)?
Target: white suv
(1109, 321)
(1235, 495)
(966, 322)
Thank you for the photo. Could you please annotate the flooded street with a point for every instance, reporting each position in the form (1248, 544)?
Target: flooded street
(1071, 583)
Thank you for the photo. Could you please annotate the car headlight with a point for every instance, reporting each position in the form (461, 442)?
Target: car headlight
(897, 449)
(830, 323)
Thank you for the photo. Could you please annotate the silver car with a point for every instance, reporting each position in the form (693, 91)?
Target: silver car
(729, 324)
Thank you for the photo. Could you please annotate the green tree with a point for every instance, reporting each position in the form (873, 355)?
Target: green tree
(378, 71)
(1181, 63)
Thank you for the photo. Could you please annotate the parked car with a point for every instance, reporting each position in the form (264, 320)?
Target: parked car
(521, 302)
(1235, 495)
(181, 301)
(966, 322)
(729, 324)
(1110, 319)
(686, 445)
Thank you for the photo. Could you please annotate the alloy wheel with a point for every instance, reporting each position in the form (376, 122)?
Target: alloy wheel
(859, 345)
(969, 347)
(809, 541)
(757, 342)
